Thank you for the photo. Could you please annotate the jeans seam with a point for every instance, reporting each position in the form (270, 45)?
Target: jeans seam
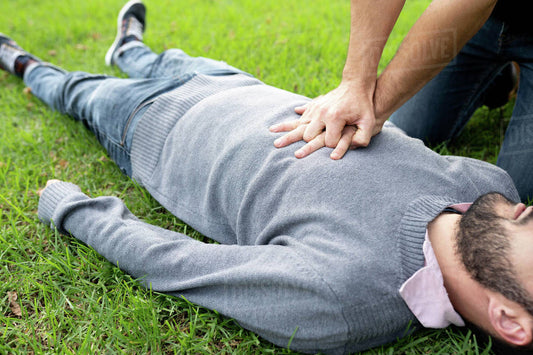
(110, 140)
(501, 38)
(474, 94)
(130, 118)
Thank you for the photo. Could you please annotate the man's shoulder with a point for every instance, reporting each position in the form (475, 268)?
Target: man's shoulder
(484, 177)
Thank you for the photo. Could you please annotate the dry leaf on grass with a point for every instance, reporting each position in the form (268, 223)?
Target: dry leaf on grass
(13, 304)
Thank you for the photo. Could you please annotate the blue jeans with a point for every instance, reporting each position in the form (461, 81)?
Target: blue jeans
(439, 111)
(110, 107)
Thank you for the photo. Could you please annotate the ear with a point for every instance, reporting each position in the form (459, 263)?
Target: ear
(511, 323)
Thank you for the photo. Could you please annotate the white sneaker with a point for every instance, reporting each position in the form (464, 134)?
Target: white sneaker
(131, 24)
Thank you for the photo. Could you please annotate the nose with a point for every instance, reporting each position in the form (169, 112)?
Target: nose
(518, 210)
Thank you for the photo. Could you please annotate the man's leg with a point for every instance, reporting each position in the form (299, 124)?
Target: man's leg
(516, 154)
(134, 58)
(141, 62)
(105, 104)
(439, 111)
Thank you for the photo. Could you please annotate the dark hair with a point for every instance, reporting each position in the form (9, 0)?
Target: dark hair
(483, 243)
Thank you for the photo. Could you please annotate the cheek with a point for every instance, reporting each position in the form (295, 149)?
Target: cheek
(523, 257)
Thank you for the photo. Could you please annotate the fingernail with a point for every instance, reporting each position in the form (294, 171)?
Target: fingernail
(273, 127)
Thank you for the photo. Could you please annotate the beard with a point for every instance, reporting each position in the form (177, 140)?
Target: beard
(484, 245)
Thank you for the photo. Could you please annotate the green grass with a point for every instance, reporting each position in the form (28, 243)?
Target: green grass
(73, 301)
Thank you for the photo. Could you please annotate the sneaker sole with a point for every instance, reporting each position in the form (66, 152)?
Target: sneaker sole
(114, 46)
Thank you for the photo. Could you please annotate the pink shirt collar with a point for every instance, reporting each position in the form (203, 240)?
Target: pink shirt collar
(425, 294)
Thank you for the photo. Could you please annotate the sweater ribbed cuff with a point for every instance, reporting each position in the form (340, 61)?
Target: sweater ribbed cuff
(52, 197)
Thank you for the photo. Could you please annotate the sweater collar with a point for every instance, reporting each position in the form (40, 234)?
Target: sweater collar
(412, 231)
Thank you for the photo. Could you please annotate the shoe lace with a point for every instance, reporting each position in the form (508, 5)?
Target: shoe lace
(135, 28)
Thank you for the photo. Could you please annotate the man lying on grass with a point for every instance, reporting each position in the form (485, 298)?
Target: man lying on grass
(315, 254)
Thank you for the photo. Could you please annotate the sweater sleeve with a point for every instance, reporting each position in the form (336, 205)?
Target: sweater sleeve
(53, 196)
(267, 288)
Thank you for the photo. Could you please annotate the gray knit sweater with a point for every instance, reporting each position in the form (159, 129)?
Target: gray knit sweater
(312, 251)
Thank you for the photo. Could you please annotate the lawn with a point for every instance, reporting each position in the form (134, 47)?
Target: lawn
(59, 296)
